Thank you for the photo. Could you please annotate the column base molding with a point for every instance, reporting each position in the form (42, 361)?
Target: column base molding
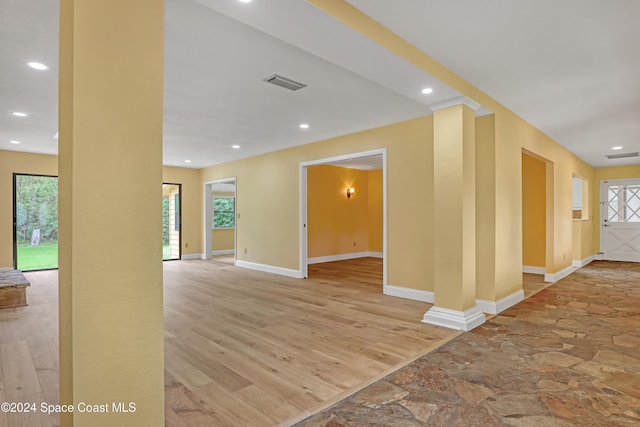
(452, 319)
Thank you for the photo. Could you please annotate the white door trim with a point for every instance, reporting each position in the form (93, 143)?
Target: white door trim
(303, 205)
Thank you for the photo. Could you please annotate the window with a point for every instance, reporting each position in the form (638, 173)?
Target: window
(224, 212)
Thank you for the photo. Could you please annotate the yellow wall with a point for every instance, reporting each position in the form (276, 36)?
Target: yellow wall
(268, 199)
(110, 211)
(337, 224)
(603, 174)
(15, 162)
(582, 241)
(222, 239)
(376, 214)
(40, 164)
(534, 215)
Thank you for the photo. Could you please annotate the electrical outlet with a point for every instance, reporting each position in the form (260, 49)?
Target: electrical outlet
(186, 245)
(354, 243)
(245, 250)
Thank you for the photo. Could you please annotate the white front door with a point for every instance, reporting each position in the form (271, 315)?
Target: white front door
(620, 200)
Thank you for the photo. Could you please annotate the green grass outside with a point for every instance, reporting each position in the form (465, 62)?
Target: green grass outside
(38, 257)
(46, 256)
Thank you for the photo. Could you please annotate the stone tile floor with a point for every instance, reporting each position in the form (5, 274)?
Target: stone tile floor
(567, 356)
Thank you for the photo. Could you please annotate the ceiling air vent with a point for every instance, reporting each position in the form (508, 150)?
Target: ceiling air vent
(623, 155)
(284, 82)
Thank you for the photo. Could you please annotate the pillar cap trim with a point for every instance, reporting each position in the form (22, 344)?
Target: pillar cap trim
(451, 102)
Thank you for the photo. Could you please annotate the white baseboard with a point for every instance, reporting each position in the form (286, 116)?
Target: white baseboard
(452, 319)
(582, 263)
(500, 305)
(343, 257)
(559, 275)
(269, 269)
(192, 256)
(408, 293)
(533, 270)
(223, 252)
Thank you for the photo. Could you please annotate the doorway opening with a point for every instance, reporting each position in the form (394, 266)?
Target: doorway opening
(534, 215)
(220, 224)
(343, 216)
(35, 222)
(171, 221)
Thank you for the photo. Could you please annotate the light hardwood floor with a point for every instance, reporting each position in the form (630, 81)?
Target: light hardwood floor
(254, 349)
(241, 347)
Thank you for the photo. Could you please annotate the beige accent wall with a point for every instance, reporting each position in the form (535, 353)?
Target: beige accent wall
(16, 162)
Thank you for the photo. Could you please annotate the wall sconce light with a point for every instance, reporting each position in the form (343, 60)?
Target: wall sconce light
(350, 192)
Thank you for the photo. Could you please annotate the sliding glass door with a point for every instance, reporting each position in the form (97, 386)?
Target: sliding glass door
(171, 221)
(35, 222)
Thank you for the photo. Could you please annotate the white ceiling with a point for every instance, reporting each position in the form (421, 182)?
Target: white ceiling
(570, 68)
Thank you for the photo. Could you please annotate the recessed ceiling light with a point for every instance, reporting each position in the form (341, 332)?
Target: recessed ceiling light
(304, 126)
(14, 142)
(616, 148)
(244, 1)
(19, 114)
(187, 161)
(235, 146)
(427, 90)
(37, 66)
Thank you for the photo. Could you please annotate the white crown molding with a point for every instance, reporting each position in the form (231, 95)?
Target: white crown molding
(533, 270)
(559, 275)
(502, 304)
(452, 319)
(269, 269)
(343, 257)
(459, 100)
(408, 293)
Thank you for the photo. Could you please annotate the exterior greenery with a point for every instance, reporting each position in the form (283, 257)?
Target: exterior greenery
(224, 212)
(165, 221)
(37, 257)
(36, 209)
